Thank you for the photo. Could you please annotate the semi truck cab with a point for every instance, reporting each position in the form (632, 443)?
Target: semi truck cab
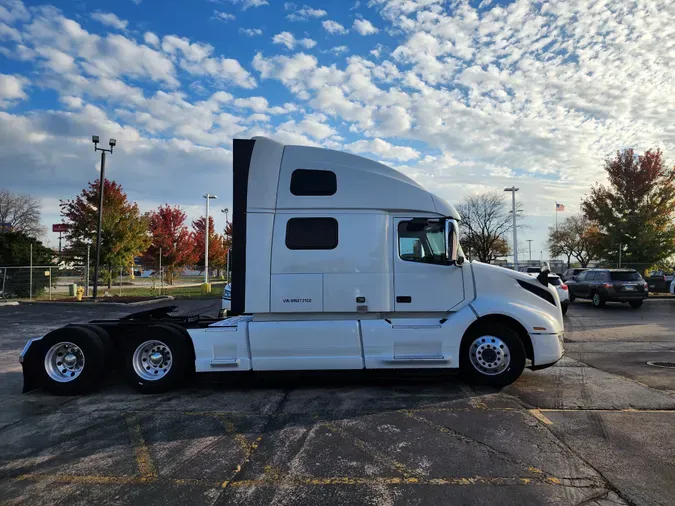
(339, 262)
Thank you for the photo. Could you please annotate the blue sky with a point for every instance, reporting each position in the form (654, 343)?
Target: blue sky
(462, 96)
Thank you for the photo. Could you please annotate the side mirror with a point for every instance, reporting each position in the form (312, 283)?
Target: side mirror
(543, 275)
(452, 243)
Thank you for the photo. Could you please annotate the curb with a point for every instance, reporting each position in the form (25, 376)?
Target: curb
(9, 303)
(121, 304)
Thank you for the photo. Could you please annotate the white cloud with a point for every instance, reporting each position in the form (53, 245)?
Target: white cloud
(137, 2)
(13, 10)
(258, 118)
(110, 19)
(251, 32)
(305, 13)
(364, 27)
(9, 33)
(151, 39)
(333, 27)
(11, 89)
(287, 39)
(223, 16)
(339, 49)
(257, 104)
(197, 60)
(384, 149)
(247, 4)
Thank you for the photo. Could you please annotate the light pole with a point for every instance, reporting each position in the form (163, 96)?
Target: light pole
(207, 231)
(513, 191)
(530, 245)
(227, 236)
(112, 143)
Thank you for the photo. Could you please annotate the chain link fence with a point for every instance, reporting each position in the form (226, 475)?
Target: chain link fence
(54, 282)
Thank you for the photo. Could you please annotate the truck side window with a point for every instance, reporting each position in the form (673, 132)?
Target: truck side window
(422, 241)
(311, 233)
(311, 182)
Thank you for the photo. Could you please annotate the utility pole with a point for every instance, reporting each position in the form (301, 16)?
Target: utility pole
(207, 231)
(530, 245)
(112, 143)
(513, 191)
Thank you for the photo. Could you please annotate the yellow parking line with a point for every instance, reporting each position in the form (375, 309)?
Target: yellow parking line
(540, 416)
(359, 443)
(143, 459)
(475, 401)
(295, 481)
(592, 410)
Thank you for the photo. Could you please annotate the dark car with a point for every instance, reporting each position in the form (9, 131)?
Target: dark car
(570, 273)
(609, 285)
(659, 281)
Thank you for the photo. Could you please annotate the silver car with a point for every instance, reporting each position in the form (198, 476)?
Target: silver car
(226, 301)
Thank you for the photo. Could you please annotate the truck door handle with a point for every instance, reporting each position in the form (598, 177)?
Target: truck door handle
(404, 299)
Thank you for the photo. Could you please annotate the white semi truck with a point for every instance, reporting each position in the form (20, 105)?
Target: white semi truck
(341, 263)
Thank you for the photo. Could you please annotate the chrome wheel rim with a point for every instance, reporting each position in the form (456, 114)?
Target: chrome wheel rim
(64, 362)
(490, 355)
(596, 300)
(152, 360)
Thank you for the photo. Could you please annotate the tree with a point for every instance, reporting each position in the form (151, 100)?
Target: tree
(22, 212)
(15, 249)
(576, 237)
(486, 223)
(124, 233)
(635, 211)
(169, 233)
(217, 249)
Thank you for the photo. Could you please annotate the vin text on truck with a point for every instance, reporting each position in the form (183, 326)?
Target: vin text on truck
(340, 263)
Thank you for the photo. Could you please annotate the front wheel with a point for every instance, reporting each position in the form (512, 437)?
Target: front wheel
(157, 360)
(494, 355)
(635, 304)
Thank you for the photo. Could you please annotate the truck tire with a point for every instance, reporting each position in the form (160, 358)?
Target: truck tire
(598, 300)
(108, 346)
(157, 359)
(635, 304)
(493, 355)
(69, 361)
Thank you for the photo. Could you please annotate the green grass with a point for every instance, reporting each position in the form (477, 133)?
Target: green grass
(177, 291)
(180, 292)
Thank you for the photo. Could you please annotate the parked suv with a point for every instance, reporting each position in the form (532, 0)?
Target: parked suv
(609, 285)
(570, 273)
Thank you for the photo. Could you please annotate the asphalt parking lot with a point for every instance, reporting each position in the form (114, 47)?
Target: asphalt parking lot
(598, 428)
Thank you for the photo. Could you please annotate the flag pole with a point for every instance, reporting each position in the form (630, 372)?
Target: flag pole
(556, 216)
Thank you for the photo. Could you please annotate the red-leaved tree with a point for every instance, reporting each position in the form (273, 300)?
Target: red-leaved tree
(217, 249)
(171, 236)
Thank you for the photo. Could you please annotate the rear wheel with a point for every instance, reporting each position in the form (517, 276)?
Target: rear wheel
(493, 355)
(635, 304)
(598, 300)
(157, 360)
(70, 361)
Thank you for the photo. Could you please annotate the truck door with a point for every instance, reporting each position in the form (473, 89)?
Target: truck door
(423, 280)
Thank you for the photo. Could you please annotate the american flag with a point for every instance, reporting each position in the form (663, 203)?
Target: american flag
(559, 207)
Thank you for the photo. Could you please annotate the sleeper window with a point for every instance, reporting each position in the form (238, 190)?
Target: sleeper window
(312, 233)
(311, 182)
